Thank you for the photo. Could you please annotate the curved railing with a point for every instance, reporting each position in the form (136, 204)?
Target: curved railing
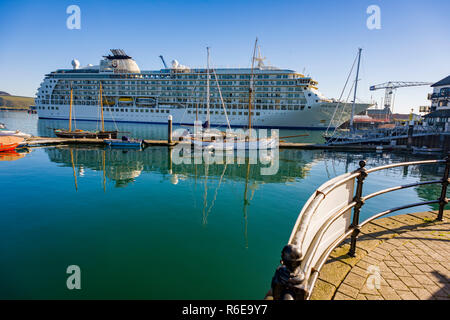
(331, 215)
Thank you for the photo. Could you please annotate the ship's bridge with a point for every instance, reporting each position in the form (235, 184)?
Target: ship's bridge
(118, 62)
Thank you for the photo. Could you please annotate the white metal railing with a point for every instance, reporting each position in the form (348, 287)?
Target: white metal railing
(331, 215)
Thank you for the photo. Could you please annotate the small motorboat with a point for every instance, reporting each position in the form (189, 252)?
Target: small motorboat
(8, 147)
(125, 142)
(8, 143)
(426, 150)
(15, 133)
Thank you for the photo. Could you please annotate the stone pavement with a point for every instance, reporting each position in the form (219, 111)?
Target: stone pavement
(404, 257)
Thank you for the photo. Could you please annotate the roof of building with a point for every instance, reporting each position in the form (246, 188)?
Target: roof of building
(444, 113)
(442, 82)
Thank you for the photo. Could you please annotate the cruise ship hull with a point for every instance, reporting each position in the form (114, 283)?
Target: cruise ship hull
(316, 118)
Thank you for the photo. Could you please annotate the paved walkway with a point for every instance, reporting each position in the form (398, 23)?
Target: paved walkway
(402, 257)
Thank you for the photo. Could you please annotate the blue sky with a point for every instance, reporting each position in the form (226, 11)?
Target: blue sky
(320, 37)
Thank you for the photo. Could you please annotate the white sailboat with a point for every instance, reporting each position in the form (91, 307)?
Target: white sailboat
(207, 138)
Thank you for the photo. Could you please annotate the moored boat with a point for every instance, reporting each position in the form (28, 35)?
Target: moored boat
(8, 147)
(125, 142)
(426, 150)
(9, 143)
(78, 133)
(17, 133)
(283, 98)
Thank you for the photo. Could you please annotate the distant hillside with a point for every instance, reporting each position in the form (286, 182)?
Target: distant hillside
(3, 93)
(15, 102)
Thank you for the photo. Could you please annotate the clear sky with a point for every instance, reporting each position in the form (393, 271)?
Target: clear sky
(319, 37)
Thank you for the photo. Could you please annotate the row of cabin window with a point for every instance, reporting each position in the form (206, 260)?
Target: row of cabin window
(189, 111)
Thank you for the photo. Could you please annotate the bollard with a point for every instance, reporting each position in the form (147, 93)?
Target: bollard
(169, 130)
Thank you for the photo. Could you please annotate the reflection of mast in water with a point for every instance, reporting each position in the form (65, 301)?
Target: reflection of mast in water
(205, 195)
(215, 194)
(246, 203)
(104, 172)
(73, 168)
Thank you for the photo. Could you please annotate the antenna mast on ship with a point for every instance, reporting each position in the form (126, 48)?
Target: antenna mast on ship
(354, 95)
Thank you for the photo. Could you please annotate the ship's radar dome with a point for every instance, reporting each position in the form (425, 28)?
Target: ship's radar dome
(75, 63)
(175, 64)
(119, 62)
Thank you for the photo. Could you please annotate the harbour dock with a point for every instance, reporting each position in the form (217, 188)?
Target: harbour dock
(52, 141)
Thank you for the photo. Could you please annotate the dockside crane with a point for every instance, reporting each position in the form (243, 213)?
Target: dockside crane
(390, 88)
(164, 62)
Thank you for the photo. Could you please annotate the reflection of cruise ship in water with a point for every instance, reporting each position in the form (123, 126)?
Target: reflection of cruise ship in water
(282, 98)
(123, 167)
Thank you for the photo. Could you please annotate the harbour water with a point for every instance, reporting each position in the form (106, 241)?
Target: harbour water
(140, 226)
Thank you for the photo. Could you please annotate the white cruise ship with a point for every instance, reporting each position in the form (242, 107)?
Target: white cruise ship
(281, 98)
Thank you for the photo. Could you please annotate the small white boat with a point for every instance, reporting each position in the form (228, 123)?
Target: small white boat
(426, 150)
(238, 144)
(125, 142)
(16, 133)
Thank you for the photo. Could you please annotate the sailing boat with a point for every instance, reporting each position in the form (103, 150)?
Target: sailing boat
(352, 134)
(77, 133)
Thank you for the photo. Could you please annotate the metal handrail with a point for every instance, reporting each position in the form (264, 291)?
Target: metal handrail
(405, 186)
(404, 164)
(383, 213)
(305, 254)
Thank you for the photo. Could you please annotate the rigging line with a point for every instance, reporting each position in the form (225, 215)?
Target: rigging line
(221, 99)
(342, 93)
(112, 116)
(186, 106)
(343, 108)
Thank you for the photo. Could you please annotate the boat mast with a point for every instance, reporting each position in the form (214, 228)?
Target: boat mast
(250, 89)
(70, 108)
(101, 107)
(207, 87)
(354, 95)
(196, 112)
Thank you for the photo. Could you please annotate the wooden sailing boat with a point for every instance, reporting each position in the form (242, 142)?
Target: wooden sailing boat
(77, 133)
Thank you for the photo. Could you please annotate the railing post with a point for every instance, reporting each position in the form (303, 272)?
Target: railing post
(287, 283)
(443, 199)
(357, 209)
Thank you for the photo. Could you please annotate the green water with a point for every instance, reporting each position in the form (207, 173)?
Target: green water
(140, 226)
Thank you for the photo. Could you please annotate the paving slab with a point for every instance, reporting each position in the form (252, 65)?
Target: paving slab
(405, 257)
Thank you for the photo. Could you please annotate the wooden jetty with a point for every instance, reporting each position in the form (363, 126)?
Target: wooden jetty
(50, 141)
